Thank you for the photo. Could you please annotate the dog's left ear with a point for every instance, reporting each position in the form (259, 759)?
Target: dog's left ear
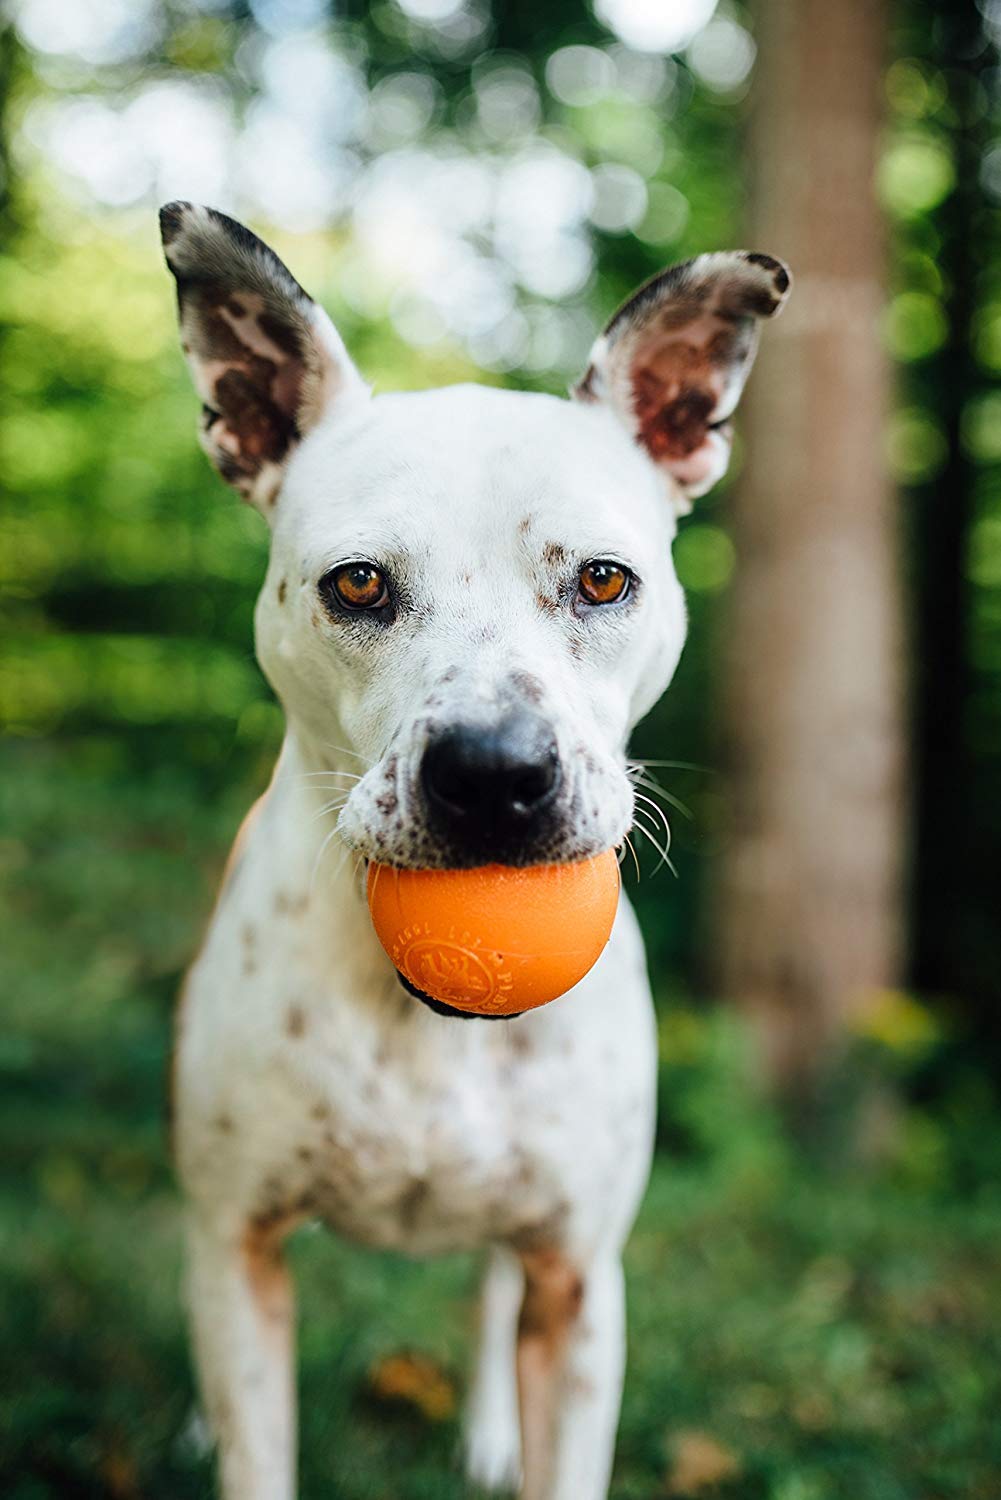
(265, 358)
(673, 360)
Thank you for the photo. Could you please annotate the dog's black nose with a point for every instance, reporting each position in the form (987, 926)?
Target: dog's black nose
(489, 786)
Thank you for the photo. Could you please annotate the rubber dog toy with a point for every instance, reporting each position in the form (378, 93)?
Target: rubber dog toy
(495, 940)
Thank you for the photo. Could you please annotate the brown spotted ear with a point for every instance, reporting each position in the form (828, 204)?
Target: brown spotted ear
(674, 358)
(265, 358)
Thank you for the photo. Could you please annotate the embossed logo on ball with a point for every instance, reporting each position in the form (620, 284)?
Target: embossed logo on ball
(453, 968)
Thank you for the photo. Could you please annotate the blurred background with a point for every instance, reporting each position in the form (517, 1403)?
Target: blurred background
(471, 186)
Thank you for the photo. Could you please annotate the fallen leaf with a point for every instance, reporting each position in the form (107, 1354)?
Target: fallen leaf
(416, 1381)
(699, 1463)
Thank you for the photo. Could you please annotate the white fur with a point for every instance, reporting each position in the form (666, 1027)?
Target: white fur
(307, 1082)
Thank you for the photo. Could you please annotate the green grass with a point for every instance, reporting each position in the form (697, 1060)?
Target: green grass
(836, 1334)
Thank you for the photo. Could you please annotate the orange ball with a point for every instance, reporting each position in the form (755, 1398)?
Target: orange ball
(495, 940)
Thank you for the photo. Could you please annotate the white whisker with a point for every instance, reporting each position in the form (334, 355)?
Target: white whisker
(320, 853)
(653, 785)
(315, 775)
(330, 807)
(628, 843)
(343, 750)
(665, 858)
(672, 765)
(657, 812)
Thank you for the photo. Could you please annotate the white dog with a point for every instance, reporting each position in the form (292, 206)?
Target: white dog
(470, 602)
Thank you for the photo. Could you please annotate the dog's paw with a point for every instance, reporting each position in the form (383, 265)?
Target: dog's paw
(493, 1454)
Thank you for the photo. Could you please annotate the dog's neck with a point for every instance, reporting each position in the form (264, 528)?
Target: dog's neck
(311, 779)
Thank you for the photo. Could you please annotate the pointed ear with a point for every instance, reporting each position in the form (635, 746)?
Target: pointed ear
(673, 360)
(266, 360)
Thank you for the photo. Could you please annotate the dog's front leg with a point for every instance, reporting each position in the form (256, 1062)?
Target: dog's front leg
(493, 1435)
(571, 1353)
(242, 1314)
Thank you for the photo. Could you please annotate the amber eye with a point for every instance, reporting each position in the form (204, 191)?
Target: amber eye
(356, 586)
(604, 582)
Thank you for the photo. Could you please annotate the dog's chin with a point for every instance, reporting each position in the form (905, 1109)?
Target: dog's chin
(435, 853)
(442, 1008)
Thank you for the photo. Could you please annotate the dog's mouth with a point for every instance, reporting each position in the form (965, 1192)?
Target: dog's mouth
(442, 1008)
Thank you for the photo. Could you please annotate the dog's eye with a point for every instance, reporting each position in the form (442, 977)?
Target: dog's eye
(603, 582)
(356, 586)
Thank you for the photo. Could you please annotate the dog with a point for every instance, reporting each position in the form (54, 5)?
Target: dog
(469, 603)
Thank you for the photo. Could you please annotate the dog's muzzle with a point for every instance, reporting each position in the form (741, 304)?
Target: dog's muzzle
(490, 789)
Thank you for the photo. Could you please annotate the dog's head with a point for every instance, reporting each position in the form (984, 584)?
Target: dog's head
(470, 590)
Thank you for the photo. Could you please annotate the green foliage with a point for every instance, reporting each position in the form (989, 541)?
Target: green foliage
(833, 1333)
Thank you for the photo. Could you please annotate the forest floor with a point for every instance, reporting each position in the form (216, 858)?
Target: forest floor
(797, 1330)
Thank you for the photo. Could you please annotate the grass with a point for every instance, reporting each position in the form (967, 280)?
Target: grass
(796, 1333)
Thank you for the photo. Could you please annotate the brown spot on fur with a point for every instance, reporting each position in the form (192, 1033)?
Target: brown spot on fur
(281, 333)
(295, 1021)
(249, 939)
(282, 591)
(261, 428)
(520, 1041)
(265, 1267)
(217, 339)
(554, 555)
(780, 275)
(554, 1292)
(542, 1233)
(224, 1124)
(546, 604)
(673, 415)
(412, 1199)
(320, 1112)
(528, 686)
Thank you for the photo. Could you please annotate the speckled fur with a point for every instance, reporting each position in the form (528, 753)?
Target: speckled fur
(307, 1084)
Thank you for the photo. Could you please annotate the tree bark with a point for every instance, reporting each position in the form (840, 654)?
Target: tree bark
(810, 901)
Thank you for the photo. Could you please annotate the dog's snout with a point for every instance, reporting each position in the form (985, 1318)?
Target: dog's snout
(490, 784)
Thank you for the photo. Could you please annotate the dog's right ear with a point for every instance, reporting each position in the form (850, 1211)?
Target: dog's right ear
(266, 360)
(672, 362)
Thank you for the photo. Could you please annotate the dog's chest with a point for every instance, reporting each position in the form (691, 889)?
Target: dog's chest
(315, 1090)
(400, 1141)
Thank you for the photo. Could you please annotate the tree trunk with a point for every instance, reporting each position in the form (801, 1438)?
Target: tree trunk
(810, 898)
